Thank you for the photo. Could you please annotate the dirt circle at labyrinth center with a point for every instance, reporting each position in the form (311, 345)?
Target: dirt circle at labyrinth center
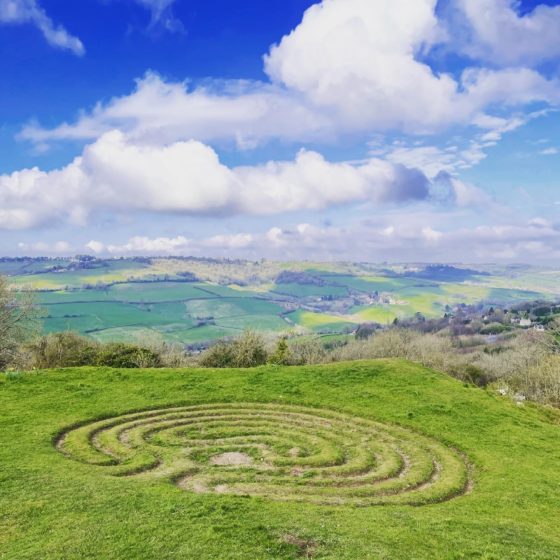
(275, 451)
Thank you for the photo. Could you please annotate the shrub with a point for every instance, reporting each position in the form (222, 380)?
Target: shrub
(493, 328)
(307, 352)
(282, 354)
(119, 355)
(364, 331)
(475, 375)
(68, 349)
(249, 350)
(65, 349)
(246, 351)
(220, 355)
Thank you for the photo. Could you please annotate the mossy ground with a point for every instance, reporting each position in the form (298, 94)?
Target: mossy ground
(55, 508)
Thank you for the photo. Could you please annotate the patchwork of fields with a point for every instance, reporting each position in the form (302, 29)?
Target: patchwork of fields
(194, 301)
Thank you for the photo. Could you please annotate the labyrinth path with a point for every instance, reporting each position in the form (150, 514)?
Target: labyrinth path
(280, 452)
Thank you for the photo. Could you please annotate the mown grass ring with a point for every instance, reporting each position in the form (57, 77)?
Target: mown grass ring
(276, 451)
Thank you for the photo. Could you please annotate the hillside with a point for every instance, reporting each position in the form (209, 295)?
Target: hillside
(362, 460)
(195, 301)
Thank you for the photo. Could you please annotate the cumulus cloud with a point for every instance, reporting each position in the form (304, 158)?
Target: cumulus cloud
(29, 11)
(188, 178)
(363, 59)
(159, 111)
(141, 245)
(450, 190)
(350, 66)
(494, 31)
(386, 239)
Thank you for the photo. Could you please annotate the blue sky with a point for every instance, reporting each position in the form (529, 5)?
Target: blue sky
(341, 129)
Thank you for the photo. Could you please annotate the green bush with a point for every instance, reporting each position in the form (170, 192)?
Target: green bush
(68, 349)
(282, 353)
(65, 349)
(220, 355)
(119, 355)
(246, 351)
(493, 328)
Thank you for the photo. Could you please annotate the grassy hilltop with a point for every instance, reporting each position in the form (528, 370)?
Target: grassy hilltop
(362, 460)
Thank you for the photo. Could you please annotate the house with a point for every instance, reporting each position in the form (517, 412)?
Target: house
(525, 323)
(539, 328)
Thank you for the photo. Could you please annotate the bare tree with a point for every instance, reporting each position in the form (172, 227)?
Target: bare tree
(18, 323)
(551, 339)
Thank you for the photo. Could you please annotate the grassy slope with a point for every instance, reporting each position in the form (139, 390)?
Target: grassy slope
(53, 507)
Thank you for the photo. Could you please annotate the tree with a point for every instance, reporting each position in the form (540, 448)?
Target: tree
(18, 323)
(552, 337)
(282, 353)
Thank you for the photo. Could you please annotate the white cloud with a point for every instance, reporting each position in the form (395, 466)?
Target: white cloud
(451, 159)
(115, 173)
(95, 246)
(42, 248)
(350, 66)
(362, 58)
(495, 32)
(159, 111)
(228, 241)
(391, 238)
(359, 57)
(141, 245)
(550, 151)
(29, 11)
(449, 189)
(161, 14)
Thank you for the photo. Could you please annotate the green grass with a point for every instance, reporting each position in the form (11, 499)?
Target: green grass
(370, 284)
(125, 298)
(319, 321)
(307, 290)
(54, 506)
(158, 291)
(164, 310)
(382, 314)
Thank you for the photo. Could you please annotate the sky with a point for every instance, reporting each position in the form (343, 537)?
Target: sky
(364, 130)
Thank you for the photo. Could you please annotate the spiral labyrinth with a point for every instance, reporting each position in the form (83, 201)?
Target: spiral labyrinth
(280, 452)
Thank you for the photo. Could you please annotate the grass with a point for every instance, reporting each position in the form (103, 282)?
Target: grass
(319, 321)
(57, 506)
(169, 310)
(382, 314)
(309, 290)
(126, 297)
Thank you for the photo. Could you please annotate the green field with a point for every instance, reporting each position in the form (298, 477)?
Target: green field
(362, 460)
(196, 301)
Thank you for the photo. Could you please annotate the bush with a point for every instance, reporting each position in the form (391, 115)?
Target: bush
(65, 349)
(119, 355)
(68, 349)
(364, 331)
(246, 351)
(282, 353)
(493, 328)
(220, 355)
(307, 352)
(475, 375)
